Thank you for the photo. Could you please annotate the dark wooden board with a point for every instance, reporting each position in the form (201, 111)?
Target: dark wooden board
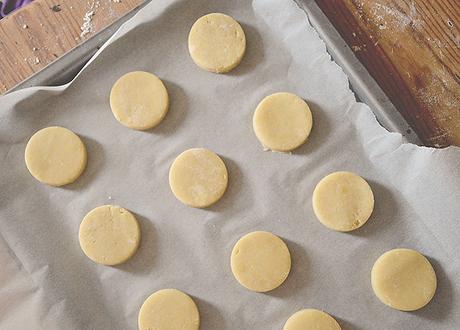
(412, 49)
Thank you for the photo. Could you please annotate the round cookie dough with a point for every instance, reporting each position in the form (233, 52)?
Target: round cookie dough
(282, 121)
(55, 156)
(198, 177)
(139, 100)
(109, 235)
(403, 279)
(311, 319)
(260, 261)
(216, 43)
(169, 309)
(343, 201)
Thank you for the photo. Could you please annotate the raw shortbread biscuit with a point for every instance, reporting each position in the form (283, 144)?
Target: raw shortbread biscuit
(216, 43)
(109, 235)
(260, 261)
(311, 319)
(169, 309)
(198, 177)
(403, 279)
(282, 121)
(55, 156)
(343, 201)
(139, 100)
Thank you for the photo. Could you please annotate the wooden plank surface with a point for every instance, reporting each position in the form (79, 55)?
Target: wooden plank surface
(41, 32)
(412, 49)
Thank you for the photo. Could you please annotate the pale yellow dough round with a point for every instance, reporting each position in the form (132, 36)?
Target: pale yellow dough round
(169, 309)
(109, 235)
(260, 261)
(403, 279)
(198, 177)
(216, 43)
(55, 156)
(139, 100)
(311, 319)
(282, 121)
(343, 201)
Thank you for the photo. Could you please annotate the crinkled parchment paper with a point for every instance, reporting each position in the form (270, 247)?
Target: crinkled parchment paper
(46, 282)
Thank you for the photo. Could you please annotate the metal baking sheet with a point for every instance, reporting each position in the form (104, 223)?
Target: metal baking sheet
(364, 86)
(49, 279)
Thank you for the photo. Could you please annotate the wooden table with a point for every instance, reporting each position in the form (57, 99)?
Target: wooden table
(410, 47)
(41, 32)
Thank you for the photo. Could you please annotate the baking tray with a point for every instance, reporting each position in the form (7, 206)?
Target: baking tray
(362, 84)
(261, 195)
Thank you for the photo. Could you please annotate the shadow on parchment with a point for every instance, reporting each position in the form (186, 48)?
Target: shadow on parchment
(254, 52)
(235, 184)
(320, 131)
(384, 216)
(210, 316)
(177, 111)
(143, 260)
(440, 307)
(346, 325)
(95, 163)
(298, 276)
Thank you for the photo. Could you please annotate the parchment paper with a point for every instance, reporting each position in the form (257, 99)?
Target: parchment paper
(48, 283)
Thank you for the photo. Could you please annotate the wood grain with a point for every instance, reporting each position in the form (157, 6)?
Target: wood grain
(41, 32)
(412, 49)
